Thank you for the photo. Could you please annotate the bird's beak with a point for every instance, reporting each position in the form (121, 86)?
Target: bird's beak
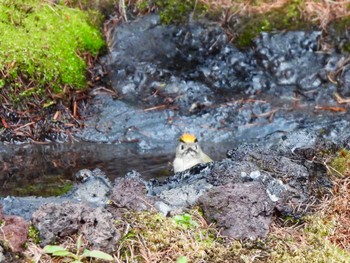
(190, 150)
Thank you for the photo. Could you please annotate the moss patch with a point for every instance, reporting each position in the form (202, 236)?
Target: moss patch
(340, 166)
(287, 17)
(33, 234)
(174, 11)
(42, 46)
(53, 188)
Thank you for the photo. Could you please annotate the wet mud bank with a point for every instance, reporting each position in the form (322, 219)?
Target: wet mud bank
(266, 115)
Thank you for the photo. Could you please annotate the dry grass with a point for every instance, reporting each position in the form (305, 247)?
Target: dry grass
(339, 207)
(325, 11)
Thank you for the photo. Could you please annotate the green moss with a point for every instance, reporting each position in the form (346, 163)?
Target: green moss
(174, 11)
(341, 163)
(42, 46)
(34, 234)
(288, 17)
(48, 188)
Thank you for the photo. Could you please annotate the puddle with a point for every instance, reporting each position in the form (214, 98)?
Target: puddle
(48, 170)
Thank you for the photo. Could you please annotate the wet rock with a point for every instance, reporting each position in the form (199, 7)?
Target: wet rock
(286, 181)
(242, 210)
(284, 177)
(94, 189)
(129, 193)
(14, 232)
(282, 55)
(132, 40)
(138, 67)
(185, 195)
(56, 221)
(120, 123)
(229, 171)
(180, 191)
(190, 78)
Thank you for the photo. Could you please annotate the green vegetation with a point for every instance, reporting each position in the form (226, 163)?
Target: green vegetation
(182, 259)
(50, 187)
(174, 11)
(340, 165)
(58, 251)
(33, 234)
(186, 221)
(287, 17)
(42, 48)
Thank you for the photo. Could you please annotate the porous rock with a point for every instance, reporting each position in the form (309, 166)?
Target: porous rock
(94, 187)
(56, 221)
(242, 210)
(130, 193)
(14, 232)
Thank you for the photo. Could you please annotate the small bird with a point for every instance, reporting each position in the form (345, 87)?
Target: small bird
(189, 153)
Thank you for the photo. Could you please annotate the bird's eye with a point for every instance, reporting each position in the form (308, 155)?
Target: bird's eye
(182, 147)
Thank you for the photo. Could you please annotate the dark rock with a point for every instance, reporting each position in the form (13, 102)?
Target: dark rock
(130, 193)
(14, 232)
(228, 171)
(56, 221)
(286, 181)
(242, 210)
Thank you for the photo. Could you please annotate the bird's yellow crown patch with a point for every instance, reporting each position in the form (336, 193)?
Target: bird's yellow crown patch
(188, 138)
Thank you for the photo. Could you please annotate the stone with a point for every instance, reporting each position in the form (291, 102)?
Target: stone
(56, 221)
(130, 193)
(14, 232)
(241, 210)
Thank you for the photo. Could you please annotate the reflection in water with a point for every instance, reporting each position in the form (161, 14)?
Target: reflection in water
(48, 170)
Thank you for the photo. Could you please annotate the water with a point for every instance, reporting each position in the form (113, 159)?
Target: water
(46, 170)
